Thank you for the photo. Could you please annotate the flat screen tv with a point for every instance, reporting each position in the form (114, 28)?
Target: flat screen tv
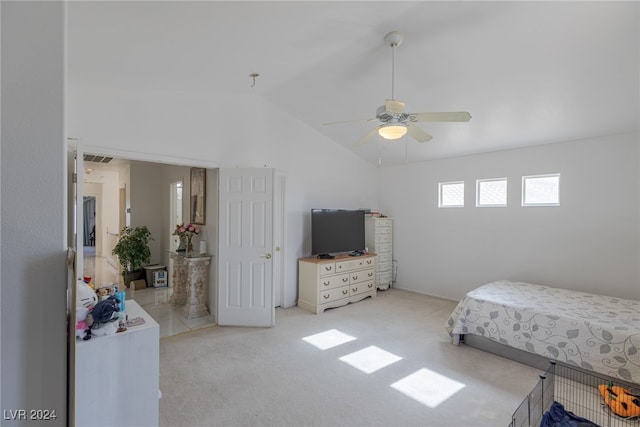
(336, 230)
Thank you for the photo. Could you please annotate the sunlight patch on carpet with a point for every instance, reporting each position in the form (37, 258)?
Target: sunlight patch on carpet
(370, 359)
(328, 339)
(428, 387)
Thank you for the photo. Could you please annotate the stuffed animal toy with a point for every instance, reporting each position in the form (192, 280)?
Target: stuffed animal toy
(621, 401)
(86, 299)
(85, 296)
(104, 316)
(87, 280)
(83, 330)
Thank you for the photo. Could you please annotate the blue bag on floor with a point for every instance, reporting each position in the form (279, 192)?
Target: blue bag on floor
(557, 416)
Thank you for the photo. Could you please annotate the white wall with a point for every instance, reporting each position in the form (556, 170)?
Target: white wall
(33, 329)
(589, 243)
(149, 204)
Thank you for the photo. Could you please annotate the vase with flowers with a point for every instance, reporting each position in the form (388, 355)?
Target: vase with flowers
(186, 232)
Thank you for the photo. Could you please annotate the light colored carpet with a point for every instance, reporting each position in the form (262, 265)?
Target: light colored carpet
(227, 376)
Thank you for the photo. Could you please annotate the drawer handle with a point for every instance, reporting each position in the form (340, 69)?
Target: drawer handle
(355, 277)
(354, 289)
(326, 283)
(344, 292)
(370, 274)
(328, 268)
(369, 261)
(326, 296)
(345, 279)
(370, 285)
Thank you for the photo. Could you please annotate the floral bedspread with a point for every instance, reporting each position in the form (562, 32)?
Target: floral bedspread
(595, 332)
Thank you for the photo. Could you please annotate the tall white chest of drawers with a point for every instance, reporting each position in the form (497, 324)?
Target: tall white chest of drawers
(328, 283)
(379, 239)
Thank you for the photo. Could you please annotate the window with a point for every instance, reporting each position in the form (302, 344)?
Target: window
(451, 194)
(541, 190)
(491, 192)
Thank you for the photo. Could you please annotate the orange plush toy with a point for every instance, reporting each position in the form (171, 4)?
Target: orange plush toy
(620, 400)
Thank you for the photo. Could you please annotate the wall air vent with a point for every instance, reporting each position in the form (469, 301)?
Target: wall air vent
(97, 159)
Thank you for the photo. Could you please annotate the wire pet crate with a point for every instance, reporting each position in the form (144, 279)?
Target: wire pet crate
(577, 390)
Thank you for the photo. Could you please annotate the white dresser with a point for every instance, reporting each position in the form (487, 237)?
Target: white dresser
(328, 283)
(379, 240)
(117, 376)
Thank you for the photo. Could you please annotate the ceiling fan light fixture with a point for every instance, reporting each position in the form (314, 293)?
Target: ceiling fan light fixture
(392, 131)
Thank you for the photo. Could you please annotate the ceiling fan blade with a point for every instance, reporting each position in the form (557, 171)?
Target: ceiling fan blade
(393, 107)
(367, 136)
(418, 134)
(349, 121)
(453, 116)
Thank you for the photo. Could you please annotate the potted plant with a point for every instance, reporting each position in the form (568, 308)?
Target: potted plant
(133, 252)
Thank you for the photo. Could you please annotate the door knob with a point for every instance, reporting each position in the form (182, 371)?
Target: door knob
(267, 256)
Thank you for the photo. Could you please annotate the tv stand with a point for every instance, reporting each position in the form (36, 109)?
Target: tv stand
(325, 256)
(329, 283)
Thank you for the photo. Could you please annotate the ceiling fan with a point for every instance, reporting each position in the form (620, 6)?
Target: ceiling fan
(395, 122)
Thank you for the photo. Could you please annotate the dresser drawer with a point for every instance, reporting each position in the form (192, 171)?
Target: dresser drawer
(381, 267)
(383, 247)
(354, 264)
(384, 278)
(384, 222)
(383, 238)
(333, 294)
(359, 288)
(383, 230)
(384, 257)
(330, 282)
(327, 268)
(361, 276)
(368, 262)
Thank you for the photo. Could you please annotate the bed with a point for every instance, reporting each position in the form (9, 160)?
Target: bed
(595, 332)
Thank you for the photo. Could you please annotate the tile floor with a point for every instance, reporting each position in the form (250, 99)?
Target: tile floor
(154, 301)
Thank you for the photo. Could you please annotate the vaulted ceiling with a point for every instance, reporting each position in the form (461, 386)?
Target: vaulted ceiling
(528, 72)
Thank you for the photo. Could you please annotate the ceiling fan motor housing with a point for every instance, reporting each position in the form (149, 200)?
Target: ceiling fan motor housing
(385, 116)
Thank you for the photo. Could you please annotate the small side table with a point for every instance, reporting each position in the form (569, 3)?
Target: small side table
(190, 283)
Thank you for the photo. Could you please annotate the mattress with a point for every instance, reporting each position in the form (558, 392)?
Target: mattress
(595, 332)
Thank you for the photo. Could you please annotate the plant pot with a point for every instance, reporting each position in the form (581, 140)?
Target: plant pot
(132, 275)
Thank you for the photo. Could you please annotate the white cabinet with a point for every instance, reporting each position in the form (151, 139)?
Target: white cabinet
(328, 283)
(379, 240)
(117, 376)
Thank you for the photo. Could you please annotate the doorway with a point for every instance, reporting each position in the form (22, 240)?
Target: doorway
(89, 213)
(89, 237)
(175, 210)
(174, 189)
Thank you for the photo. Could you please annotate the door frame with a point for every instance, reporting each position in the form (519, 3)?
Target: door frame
(279, 237)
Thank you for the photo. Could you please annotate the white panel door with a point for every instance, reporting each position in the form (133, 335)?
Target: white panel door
(245, 262)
